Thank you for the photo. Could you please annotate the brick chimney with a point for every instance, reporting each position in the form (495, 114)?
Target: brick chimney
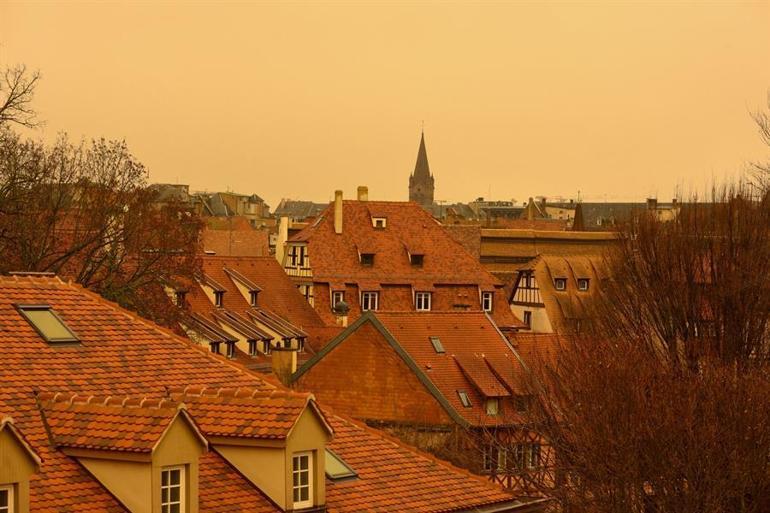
(337, 211)
(652, 203)
(363, 193)
(284, 363)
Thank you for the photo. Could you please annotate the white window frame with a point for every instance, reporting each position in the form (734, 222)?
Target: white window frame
(487, 301)
(527, 318)
(556, 281)
(11, 499)
(307, 503)
(379, 222)
(582, 281)
(370, 301)
(253, 297)
(166, 507)
(492, 412)
(219, 298)
(422, 301)
(337, 293)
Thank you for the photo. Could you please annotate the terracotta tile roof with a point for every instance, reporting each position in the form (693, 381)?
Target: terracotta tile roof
(105, 423)
(243, 412)
(477, 359)
(335, 258)
(121, 355)
(236, 243)
(395, 477)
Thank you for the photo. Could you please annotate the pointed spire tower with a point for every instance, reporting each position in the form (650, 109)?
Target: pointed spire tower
(421, 181)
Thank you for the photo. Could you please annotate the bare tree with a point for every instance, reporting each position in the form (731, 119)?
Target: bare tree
(17, 89)
(84, 212)
(664, 404)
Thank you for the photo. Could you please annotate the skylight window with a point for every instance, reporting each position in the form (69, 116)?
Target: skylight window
(437, 345)
(367, 259)
(47, 323)
(336, 468)
(464, 398)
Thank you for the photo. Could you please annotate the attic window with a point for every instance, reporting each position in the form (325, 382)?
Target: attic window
(464, 398)
(180, 298)
(336, 468)
(493, 406)
(218, 297)
(379, 222)
(417, 260)
(253, 297)
(437, 345)
(560, 283)
(367, 259)
(47, 323)
(231, 349)
(582, 284)
(6, 499)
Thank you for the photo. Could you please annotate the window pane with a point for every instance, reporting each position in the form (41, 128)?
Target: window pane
(4, 500)
(175, 508)
(296, 495)
(175, 494)
(48, 324)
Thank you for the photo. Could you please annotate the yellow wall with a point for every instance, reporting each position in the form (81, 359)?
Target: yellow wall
(130, 482)
(16, 466)
(308, 435)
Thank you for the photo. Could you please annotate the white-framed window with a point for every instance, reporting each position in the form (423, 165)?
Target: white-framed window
(6, 499)
(533, 456)
(560, 283)
(370, 301)
(486, 301)
(253, 295)
(231, 349)
(422, 301)
(297, 257)
(493, 406)
(302, 479)
(180, 298)
(338, 296)
(252, 347)
(583, 284)
(528, 318)
(502, 459)
(464, 399)
(172, 492)
(379, 222)
(218, 298)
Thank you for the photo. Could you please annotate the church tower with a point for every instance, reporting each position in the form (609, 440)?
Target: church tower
(421, 181)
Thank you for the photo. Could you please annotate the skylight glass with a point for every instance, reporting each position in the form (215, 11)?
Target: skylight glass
(336, 468)
(437, 345)
(464, 398)
(47, 323)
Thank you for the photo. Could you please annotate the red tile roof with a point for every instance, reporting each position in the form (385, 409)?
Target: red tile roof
(122, 355)
(407, 483)
(334, 258)
(477, 359)
(236, 243)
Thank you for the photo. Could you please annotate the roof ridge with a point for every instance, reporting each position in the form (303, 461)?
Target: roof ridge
(50, 399)
(241, 392)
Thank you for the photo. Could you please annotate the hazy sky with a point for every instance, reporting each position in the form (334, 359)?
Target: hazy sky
(617, 100)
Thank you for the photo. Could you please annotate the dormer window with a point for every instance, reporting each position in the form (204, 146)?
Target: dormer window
(6, 499)
(253, 297)
(560, 283)
(422, 301)
(214, 346)
(582, 284)
(464, 399)
(338, 296)
(379, 223)
(367, 259)
(416, 260)
(230, 349)
(302, 479)
(172, 492)
(493, 406)
(486, 301)
(252, 347)
(180, 298)
(48, 324)
(219, 296)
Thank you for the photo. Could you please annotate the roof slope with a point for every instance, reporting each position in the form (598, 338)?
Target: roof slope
(335, 258)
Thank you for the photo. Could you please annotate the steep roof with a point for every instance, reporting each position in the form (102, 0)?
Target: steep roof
(122, 355)
(421, 167)
(335, 258)
(246, 242)
(476, 359)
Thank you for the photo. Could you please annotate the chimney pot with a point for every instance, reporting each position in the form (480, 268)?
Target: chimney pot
(284, 363)
(363, 193)
(338, 212)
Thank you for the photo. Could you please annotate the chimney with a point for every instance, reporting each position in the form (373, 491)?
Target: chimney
(341, 311)
(652, 203)
(363, 193)
(283, 236)
(542, 204)
(337, 211)
(531, 210)
(284, 363)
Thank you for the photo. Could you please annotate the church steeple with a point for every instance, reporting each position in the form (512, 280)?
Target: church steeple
(421, 181)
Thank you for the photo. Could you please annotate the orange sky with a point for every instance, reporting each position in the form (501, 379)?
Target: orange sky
(617, 100)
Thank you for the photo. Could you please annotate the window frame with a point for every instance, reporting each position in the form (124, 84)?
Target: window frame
(370, 294)
(379, 223)
(464, 399)
(437, 345)
(219, 298)
(492, 412)
(417, 260)
(307, 503)
(253, 351)
(253, 297)
(11, 491)
(420, 301)
(23, 308)
(340, 294)
(487, 297)
(182, 489)
(367, 259)
(557, 281)
(581, 282)
(180, 298)
(350, 474)
(527, 318)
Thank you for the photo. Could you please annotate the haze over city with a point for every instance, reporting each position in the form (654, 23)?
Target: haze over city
(619, 101)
